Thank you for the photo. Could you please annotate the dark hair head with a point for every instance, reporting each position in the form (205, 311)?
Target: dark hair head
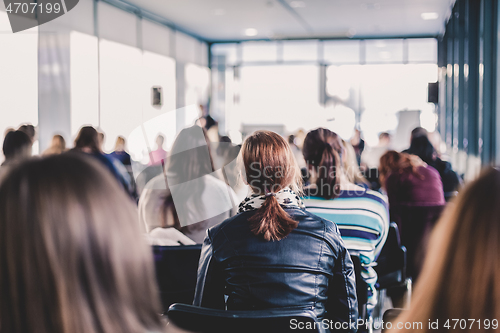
(87, 138)
(322, 152)
(384, 135)
(29, 130)
(270, 167)
(16, 143)
(82, 265)
(423, 148)
(418, 132)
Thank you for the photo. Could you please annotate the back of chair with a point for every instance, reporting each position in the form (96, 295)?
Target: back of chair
(391, 263)
(204, 320)
(361, 288)
(176, 273)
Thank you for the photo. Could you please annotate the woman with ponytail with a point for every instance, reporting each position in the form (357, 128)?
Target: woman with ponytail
(273, 253)
(360, 214)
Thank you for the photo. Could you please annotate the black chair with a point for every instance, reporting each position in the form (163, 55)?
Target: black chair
(176, 273)
(204, 320)
(389, 316)
(361, 288)
(391, 263)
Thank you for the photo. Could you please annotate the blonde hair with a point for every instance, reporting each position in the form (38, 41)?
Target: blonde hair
(72, 257)
(461, 274)
(270, 167)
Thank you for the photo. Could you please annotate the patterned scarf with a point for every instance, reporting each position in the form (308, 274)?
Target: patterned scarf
(286, 198)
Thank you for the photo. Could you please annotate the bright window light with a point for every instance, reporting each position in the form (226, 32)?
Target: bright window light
(429, 16)
(251, 32)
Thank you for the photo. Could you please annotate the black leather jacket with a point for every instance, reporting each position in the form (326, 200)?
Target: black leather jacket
(310, 268)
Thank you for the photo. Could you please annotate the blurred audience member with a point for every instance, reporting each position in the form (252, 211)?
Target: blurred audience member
(57, 146)
(358, 144)
(461, 279)
(87, 141)
(81, 265)
(370, 158)
(276, 244)
(29, 130)
(351, 167)
(201, 200)
(423, 148)
(158, 156)
(360, 214)
(7, 130)
(16, 148)
(416, 201)
(120, 154)
(100, 139)
(297, 153)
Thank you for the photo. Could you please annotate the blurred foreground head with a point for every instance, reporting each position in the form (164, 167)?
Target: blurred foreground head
(461, 275)
(72, 258)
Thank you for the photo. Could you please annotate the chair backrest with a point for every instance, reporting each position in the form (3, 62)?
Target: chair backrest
(361, 288)
(391, 263)
(176, 273)
(204, 320)
(389, 316)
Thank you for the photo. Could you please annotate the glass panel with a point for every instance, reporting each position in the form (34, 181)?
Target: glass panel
(229, 51)
(300, 50)
(422, 50)
(384, 51)
(260, 51)
(341, 52)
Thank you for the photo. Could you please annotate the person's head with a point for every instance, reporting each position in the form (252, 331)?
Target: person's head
(322, 152)
(16, 146)
(423, 148)
(29, 130)
(291, 139)
(160, 139)
(461, 273)
(350, 165)
(72, 256)
(58, 142)
(418, 132)
(393, 162)
(384, 139)
(87, 140)
(120, 143)
(270, 167)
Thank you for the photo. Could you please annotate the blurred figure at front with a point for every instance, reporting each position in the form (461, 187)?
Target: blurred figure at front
(416, 201)
(16, 148)
(370, 159)
(57, 146)
(358, 144)
(158, 156)
(187, 196)
(462, 277)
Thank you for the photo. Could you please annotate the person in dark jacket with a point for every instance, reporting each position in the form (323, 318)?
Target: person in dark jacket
(423, 148)
(273, 253)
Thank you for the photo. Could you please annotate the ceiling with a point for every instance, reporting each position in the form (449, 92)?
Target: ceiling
(225, 20)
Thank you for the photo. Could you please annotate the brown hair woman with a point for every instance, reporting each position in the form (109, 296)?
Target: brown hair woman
(461, 280)
(273, 253)
(416, 200)
(72, 258)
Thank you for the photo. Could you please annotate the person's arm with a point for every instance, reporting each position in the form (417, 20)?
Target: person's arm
(342, 304)
(210, 285)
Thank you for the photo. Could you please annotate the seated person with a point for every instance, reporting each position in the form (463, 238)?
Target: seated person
(71, 253)
(416, 201)
(274, 253)
(461, 279)
(17, 146)
(360, 214)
